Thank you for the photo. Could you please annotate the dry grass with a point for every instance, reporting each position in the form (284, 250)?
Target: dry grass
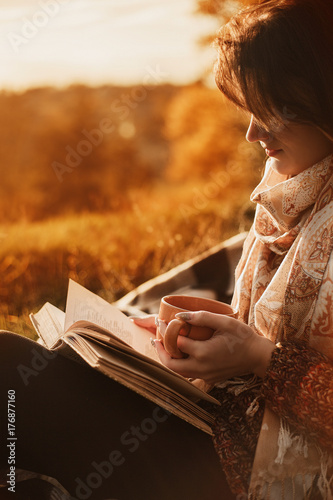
(134, 208)
(110, 253)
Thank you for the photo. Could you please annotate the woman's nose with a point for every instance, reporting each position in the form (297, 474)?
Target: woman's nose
(256, 133)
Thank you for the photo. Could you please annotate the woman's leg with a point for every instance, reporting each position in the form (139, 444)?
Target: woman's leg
(97, 438)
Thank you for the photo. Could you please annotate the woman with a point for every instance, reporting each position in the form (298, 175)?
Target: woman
(273, 367)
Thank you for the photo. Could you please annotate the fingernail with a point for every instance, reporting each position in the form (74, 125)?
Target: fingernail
(152, 341)
(185, 316)
(132, 318)
(157, 321)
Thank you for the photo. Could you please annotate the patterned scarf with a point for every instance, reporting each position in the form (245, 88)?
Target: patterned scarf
(284, 292)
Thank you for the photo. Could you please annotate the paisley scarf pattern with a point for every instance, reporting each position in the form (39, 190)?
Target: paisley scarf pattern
(284, 288)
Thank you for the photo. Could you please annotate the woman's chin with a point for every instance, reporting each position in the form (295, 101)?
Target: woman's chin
(280, 167)
(283, 167)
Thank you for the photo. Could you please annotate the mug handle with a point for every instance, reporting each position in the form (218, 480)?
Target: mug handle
(175, 327)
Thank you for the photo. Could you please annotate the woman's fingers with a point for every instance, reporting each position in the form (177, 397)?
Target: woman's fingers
(233, 330)
(182, 366)
(208, 319)
(234, 349)
(189, 346)
(148, 322)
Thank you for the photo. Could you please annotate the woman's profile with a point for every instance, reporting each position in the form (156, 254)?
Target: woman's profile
(272, 367)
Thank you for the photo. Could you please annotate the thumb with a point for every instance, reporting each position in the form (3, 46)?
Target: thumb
(148, 322)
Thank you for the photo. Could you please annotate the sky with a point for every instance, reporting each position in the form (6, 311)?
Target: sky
(61, 42)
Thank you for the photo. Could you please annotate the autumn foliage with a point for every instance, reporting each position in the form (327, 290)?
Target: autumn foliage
(112, 186)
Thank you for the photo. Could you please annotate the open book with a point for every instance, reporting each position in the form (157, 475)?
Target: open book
(101, 335)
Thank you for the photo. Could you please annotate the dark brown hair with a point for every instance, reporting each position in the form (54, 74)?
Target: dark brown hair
(275, 60)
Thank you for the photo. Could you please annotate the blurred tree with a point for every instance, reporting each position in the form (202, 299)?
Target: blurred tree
(207, 136)
(79, 149)
(220, 9)
(206, 133)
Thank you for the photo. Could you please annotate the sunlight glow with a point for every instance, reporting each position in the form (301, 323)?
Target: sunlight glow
(59, 42)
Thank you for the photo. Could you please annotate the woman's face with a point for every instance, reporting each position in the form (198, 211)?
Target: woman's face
(293, 148)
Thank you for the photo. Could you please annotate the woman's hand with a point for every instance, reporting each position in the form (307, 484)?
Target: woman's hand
(233, 350)
(148, 322)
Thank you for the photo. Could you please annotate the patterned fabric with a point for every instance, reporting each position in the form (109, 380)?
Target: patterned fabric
(298, 386)
(284, 266)
(284, 292)
(236, 430)
(42, 486)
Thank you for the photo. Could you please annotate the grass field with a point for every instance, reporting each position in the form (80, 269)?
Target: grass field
(110, 253)
(172, 179)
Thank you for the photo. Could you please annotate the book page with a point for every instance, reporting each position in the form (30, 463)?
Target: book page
(83, 305)
(49, 323)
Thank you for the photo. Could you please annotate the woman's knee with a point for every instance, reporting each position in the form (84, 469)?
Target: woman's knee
(14, 348)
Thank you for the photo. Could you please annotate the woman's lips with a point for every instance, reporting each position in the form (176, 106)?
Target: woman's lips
(272, 152)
